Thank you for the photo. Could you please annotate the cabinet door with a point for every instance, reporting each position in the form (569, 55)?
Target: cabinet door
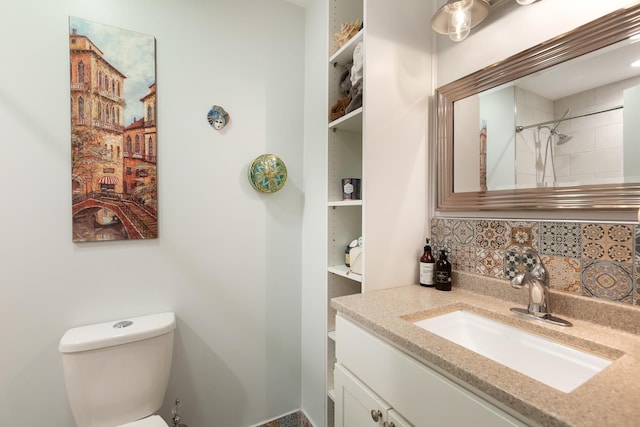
(395, 420)
(356, 405)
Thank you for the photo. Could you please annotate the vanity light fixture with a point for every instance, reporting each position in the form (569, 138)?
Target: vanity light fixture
(457, 17)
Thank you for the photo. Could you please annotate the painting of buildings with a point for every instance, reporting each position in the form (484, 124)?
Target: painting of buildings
(113, 133)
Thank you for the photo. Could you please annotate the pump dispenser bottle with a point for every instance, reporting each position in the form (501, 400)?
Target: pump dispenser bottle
(443, 272)
(427, 264)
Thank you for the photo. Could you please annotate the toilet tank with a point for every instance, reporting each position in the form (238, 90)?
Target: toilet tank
(117, 372)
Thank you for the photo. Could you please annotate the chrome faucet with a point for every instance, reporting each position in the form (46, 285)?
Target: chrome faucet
(538, 281)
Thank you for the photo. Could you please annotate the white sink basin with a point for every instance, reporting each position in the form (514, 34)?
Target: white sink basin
(557, 365)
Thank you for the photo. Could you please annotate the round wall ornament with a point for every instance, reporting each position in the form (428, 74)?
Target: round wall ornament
(267, 173)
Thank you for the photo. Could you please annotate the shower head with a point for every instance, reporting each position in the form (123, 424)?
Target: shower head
(563, 138)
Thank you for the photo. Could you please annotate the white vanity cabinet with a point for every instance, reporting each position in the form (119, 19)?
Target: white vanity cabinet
(372, 375)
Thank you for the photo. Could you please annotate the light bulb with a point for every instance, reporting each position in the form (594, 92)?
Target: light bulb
(459, 25)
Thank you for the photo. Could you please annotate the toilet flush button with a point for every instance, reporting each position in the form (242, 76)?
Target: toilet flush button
(123, 324)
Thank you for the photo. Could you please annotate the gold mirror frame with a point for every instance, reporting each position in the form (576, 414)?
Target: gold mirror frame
(607, 30)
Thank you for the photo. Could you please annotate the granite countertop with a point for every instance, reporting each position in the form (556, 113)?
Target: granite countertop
(611, 398)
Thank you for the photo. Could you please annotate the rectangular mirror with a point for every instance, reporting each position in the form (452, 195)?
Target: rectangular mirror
(555, 126)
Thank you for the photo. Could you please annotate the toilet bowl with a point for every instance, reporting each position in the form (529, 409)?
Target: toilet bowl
(116, 373)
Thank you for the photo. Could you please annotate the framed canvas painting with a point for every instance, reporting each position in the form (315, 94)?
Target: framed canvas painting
(113, 133)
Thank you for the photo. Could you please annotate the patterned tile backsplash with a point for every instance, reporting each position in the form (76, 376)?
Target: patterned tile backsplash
(590, 259)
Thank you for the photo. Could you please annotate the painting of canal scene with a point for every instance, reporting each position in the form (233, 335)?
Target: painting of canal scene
(113, 133)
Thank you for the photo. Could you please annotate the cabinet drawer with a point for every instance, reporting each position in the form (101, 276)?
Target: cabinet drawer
(421, 395)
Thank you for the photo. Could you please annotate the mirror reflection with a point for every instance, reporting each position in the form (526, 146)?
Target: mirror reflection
(577, 123)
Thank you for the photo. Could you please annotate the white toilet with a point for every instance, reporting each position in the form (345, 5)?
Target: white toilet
(116, 373)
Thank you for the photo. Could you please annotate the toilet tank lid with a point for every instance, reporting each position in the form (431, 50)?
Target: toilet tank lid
(108, 334)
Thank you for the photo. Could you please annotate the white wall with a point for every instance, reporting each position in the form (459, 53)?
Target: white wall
(228, 258)
(594, 154)
(314, 222)
(631, 132)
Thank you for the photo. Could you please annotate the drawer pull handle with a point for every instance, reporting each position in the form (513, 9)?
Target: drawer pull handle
(376, 415)
(388, 424)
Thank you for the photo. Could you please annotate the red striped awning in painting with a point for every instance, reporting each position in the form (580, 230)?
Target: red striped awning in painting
(108, 180)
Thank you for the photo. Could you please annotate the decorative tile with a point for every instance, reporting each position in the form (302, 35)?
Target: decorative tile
(607, 280)
(303, 420)
(490, 262)
(463, 258)
(491, 234)
(441, 232)
(463, 232)
(637, 266)
(523, 234)
(564, 273)
(637, 284)
(513, 263)
(637, 244)
(516, 261)
(608, 242)
(561, 239)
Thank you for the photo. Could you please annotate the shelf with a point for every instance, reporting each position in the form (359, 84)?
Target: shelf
(343, 270)
(344, 149)
(345, 53)
(346, 203)
(351, 122)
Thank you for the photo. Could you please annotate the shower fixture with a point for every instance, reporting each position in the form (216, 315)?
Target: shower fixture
(562, 138)
(549, 151)
(564, 117)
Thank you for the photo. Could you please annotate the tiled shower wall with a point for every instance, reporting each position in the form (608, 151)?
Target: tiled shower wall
(600, 260)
